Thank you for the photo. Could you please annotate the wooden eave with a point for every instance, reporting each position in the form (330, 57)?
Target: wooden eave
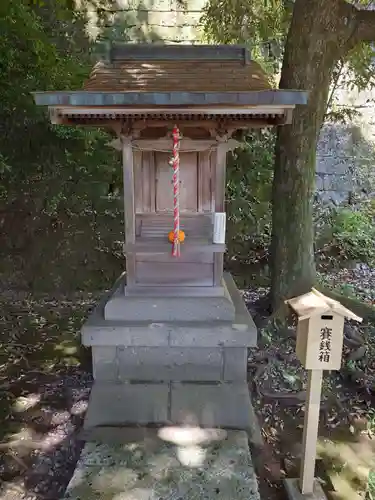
(237, 122)
(157, 99)
(263, 116)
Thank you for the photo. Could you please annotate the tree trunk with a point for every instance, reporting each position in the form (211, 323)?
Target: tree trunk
(321, 32)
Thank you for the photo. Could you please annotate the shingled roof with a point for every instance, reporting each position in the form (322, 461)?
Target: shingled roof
(184, 76)
(156, 76)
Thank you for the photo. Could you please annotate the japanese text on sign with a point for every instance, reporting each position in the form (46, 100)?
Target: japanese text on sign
(325, 344)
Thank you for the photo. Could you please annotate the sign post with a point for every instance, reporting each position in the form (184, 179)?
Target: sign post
(320, 336)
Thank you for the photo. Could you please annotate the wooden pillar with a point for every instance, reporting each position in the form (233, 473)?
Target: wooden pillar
(310, 430)
(220, 184)
(129, 205)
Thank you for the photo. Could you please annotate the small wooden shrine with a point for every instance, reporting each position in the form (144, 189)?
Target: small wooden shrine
(174, 316)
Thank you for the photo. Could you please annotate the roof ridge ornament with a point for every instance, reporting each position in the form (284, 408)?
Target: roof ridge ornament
(123, 51)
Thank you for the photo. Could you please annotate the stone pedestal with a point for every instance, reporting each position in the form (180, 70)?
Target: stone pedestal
(173, 368)
(167, 309)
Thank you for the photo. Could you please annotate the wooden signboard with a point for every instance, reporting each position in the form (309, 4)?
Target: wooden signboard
(320, 341)
(320, 333)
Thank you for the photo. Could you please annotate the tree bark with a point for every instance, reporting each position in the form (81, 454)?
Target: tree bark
(321, 32)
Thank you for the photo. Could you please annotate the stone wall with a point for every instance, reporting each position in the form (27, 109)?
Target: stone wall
(155, 21)
(345, 155)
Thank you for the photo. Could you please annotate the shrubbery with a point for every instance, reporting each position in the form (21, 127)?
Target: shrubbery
(347, 233)
(342, 233)
(249, 174)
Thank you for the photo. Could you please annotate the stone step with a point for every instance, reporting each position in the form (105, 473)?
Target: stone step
(158, 364)
(225, 405)
(155, 308)
(173, 291)
(97, 331)
(216, 466)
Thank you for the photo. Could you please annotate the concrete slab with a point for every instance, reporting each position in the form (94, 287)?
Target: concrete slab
(170, 363)
(153, 469)
(187, 334)
(243, 318)
(211, 405)
(235, 363)
(294, 493)
(125, 435)
(97, 331)
(120, 363)
(174, 291)
(225, 405)
(105, 363)
(113, 404)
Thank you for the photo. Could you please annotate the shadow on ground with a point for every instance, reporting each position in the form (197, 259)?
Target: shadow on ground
(45, 380)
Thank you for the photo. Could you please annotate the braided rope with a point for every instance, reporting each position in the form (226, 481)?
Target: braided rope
(176, 191)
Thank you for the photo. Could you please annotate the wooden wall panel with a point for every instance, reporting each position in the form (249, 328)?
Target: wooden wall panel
(138, 181)
(188, 182)
(145, 183)
(196, 226)
(204, 182)
(129, 203)
(177, 273)
(185, 257)
(220, 185)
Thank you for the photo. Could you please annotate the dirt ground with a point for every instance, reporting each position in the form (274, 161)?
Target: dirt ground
(45, 381)
(346, 447)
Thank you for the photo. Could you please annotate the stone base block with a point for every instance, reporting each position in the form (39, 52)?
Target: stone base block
(155, 308)
(174, 291)
(241, 332)
(121, 404)
(111, 363)
(225, 405)
(294, 493)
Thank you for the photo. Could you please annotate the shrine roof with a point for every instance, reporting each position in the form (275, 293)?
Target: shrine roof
(315, 303)
(175, 75)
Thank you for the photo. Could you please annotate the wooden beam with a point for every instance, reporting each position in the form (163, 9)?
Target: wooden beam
(165, 144)
(129, 204)
(148, 52)
(310, 430)
(116, 124)
(150, 123)
(204, 182)
(91, 98)
(142, 112)
(220, 185)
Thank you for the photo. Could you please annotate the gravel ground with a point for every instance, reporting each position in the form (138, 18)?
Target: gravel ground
(46, 443)
(40, 459)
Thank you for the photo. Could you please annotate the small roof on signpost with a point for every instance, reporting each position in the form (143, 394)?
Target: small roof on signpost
(315, 303)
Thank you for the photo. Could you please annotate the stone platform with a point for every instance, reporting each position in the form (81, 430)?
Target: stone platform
(224, 405)
(153, 305)
(240, 331)
(120, 363)
(170, 371)
(166, 464)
